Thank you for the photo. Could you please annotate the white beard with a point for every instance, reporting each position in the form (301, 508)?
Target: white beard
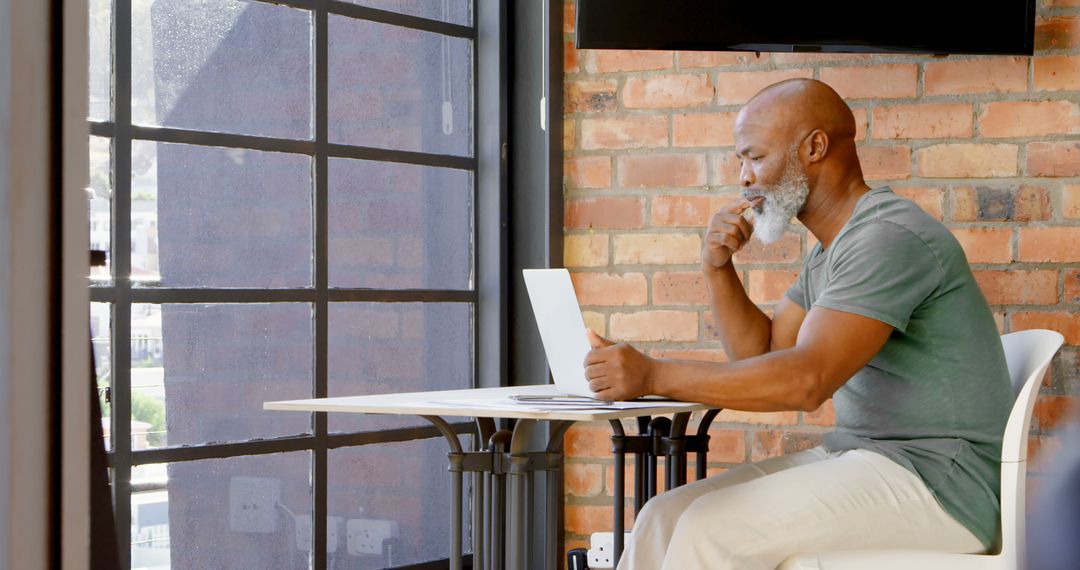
(781, 203)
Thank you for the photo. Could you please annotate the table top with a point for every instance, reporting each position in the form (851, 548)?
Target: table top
(480, 402)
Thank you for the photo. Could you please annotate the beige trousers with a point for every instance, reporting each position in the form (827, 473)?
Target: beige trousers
(756, 515)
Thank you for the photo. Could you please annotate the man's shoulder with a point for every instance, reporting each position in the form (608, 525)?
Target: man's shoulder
(892, 221)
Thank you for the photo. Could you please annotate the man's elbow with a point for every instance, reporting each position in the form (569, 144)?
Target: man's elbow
(810, 392)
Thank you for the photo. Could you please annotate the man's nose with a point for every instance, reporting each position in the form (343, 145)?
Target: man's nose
(746, 175)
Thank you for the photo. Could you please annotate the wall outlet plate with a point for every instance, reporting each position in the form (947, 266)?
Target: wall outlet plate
(253, 504)
(602, 549)
(366, 536)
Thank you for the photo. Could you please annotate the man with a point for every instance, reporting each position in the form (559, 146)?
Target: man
(885, 318)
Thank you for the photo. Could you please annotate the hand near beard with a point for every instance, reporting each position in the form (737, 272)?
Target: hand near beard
(617, 371)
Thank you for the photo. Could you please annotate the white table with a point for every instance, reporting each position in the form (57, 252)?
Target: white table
(507, 453)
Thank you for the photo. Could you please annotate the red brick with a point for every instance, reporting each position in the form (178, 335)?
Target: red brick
(923, 121)
(589, 96)
(991, 204)
(727, 445)
(625, 132)
(667, 91)
(985, 245)
(628, 478)
(769, 443)
(583, 479)
(607, 212)
(885, 162)
(683, 210)
(1019, 286)
(982, 75)
(737, 87)
(926, 197)
(1057, 32)
(1057, 73)
(610, 289)
(862, 124)
(655, 326)
(588, 171)
(966, 160)
(823, 416)
(787, 249)
(703, 129)
(1070, 199)
(1041, 452)
(607, 61)
(1065, 322)
(569, 136)
(1072, 286)
(1053, 411)
(1061, 244)
(585, 250)
(587, 519)
(569, 17)
(872, 82)
(1061, 3)
(657, 249)
(661, 170)
(725, 168)
(819, 58)
(689, 59)
(571, 58)
(760, 418)
(595, 321)
(769, 286)
(679, 288)
(1059, 158)
(1029, 118)
(588, 440)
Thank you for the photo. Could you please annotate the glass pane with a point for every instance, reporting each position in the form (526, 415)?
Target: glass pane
(216, 217)
(383, 348)
(101, 342)
(100, 207)
(200, 373)
(399, 226)
(100, 55)
(453, 11)
(222, 65)
(398, 88)
(401, 491)
(240, 512)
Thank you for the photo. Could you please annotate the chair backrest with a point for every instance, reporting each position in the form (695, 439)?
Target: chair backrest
(1028, 355)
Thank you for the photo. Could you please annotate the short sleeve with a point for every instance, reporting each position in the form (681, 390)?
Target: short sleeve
(882, 271)
(797, 291)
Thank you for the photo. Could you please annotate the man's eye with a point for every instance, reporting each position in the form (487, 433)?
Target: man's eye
(755, 158)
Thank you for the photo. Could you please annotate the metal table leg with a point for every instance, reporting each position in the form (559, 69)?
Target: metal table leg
(618, 450)
(554, 454)
(519, 458)
(499, 445)
(456, 457)
(703, 433)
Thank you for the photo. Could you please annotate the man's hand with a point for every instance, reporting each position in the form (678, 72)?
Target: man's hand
(728, 232)
(617, 371)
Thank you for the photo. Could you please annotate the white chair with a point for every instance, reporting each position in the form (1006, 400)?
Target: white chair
(1028, 354)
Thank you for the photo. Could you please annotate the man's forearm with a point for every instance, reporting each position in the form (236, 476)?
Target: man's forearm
(744, 330)
(778, 381)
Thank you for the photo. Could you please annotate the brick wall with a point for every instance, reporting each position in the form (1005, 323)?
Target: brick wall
(988, 145)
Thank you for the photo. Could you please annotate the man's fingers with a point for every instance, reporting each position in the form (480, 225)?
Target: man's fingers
(594, 371)
(743, 203)
(597, 386)
(597, 341)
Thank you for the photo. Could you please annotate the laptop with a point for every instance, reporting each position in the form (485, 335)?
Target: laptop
(562, 329)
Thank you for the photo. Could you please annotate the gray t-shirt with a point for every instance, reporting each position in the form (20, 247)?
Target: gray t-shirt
(937, 396)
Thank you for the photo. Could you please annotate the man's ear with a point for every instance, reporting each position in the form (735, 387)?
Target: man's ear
(817, 145)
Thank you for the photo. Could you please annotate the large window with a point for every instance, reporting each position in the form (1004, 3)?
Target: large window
(287, 192)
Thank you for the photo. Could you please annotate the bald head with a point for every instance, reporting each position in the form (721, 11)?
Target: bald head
(795, 107)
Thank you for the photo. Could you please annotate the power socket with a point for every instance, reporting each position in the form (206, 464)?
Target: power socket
(602, 551)
(252, 504)
(366, 536)
(303, 533)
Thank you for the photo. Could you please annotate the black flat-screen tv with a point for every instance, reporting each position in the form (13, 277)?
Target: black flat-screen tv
(1002, 27)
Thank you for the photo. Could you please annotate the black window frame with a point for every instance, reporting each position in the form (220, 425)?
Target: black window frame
(492, 252)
